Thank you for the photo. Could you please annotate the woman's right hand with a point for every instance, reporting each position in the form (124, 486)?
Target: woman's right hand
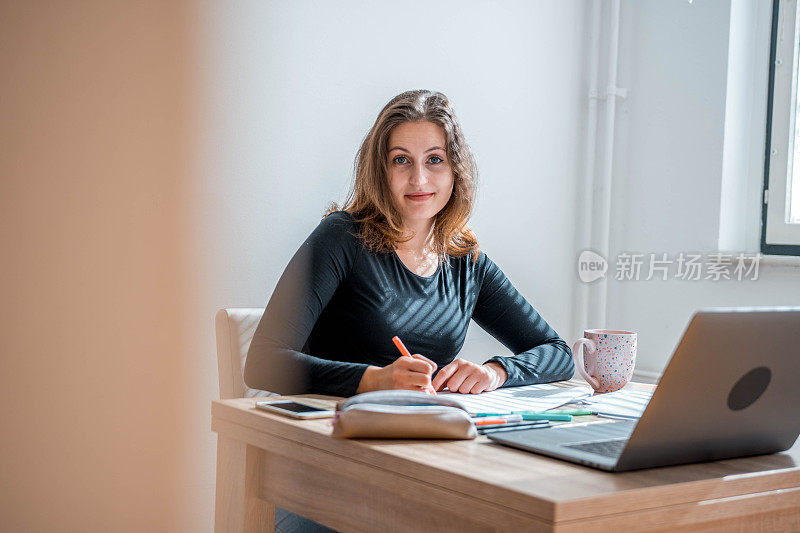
(412, 373)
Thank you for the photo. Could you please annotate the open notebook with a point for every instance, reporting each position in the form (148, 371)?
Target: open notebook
(540, 397)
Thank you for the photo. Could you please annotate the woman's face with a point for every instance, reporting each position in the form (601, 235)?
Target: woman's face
(420, 176)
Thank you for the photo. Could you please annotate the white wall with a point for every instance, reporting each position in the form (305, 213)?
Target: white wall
(668, 175)
(290, 90)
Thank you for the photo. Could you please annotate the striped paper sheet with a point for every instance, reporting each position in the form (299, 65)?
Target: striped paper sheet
(624, 403)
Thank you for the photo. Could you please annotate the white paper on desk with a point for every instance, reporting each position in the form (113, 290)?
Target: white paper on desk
(625, 403)
(540, 397)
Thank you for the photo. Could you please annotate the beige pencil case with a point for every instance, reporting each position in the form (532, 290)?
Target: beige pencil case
(400, 414)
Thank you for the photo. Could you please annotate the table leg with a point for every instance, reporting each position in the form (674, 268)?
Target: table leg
(237, 505)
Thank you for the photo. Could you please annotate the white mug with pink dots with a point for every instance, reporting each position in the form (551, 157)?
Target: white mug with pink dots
(609, 358)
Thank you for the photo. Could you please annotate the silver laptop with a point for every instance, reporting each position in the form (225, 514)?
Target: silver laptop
(731, 389)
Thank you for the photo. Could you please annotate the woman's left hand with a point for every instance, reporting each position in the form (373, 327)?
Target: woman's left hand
(470, 378)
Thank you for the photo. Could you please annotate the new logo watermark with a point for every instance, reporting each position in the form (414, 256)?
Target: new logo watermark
(631, 266)
(591, 266)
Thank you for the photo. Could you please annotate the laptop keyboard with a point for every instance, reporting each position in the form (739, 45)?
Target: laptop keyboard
(607, 448)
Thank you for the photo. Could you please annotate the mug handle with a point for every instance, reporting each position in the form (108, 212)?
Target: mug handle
(577, 356)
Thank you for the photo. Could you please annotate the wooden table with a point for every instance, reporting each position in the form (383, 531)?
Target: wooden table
(264, 460)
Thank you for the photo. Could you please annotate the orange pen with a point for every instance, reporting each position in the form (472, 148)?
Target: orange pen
(490, 421)
(404, 351)
(401, 346)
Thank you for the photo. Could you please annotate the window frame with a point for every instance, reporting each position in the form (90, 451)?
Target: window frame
(777, 236)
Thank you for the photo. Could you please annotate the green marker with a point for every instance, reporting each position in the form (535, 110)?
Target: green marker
(557, 417)
(572, 412)
(546, 416)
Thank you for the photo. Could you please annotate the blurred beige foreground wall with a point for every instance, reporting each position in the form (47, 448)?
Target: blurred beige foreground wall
(93, 135)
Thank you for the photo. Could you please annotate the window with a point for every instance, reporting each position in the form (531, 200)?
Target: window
(780, 230)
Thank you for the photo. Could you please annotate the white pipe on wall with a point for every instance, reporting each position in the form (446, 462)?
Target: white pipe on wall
(595, 224)
(603, 219)
(585, 192)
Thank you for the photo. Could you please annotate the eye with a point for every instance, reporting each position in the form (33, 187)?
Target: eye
(398, 159)
(439, 159)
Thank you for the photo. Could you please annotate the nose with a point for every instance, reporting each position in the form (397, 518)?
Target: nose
(419, 175)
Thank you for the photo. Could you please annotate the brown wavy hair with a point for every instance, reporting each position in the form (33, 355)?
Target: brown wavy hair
(369, 199)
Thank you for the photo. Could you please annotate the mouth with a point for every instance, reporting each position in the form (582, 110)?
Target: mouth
(419, 197)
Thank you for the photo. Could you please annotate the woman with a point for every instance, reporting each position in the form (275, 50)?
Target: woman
(399, 259)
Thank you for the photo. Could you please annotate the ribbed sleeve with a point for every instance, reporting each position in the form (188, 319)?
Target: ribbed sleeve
(541, 355)
(275, 361)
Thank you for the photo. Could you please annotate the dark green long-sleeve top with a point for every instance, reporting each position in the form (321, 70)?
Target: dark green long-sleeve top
(337, 306)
